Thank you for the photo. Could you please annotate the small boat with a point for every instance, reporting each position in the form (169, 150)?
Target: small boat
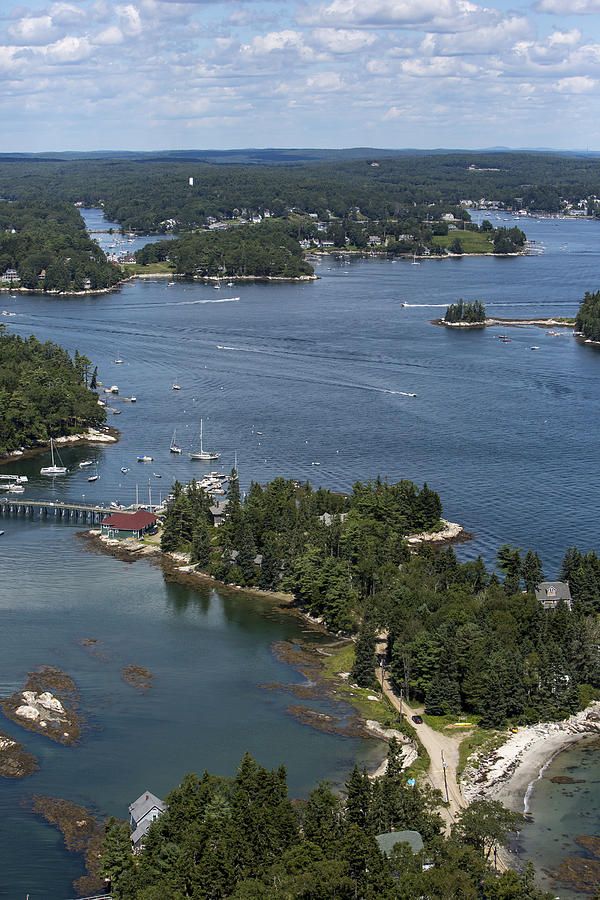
(16, 489)
(85, 463)
(176, 387)
(1, 533)
(144, 459)
(53, 469)
(116, 412)
(174, 448)
(315, 464)
(118, 362)
(415, 261)
(114, 389)
(133, 399)
(124, 470)
(156, 475)
(114, 505)
(94, 477)
(203, 454)
(534, 348)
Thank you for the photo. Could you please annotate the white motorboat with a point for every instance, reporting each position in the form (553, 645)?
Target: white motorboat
(85, 463)
(144, 459)
(202, 453)
(15, 489)
(53, 469)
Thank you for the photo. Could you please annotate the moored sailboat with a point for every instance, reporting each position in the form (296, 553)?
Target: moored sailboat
(202, 453)
(174, 448)
(53, 469)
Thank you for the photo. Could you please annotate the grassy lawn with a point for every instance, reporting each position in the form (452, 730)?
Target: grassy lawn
(157, 268)
(471, 241)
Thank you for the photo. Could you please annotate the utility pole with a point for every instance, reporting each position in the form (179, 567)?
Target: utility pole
(136, 497)
(444, 773)
(149, 496)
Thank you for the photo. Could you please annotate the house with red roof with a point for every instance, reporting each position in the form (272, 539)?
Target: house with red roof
(129, 525)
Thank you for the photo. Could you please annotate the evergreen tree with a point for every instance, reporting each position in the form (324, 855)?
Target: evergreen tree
(363, 668)
(532, 571)
(201, 547)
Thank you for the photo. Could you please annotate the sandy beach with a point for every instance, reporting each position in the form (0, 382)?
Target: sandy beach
(509, 773)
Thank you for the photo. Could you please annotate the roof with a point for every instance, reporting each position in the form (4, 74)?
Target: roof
(142, 806)
(133, 521)
(553, 590)
(389, 839)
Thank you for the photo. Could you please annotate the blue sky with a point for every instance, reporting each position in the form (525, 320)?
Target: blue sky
(157, 74)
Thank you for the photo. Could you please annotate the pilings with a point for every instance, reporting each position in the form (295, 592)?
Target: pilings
(74, 513)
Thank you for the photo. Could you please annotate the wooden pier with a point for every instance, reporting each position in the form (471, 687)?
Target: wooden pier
(46, 509)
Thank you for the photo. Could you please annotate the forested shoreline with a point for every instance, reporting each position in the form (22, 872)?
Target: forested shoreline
(44, 247)
(43, 392)
(244, 838)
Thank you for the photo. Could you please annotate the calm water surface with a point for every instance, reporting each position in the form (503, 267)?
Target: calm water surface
(323, 370)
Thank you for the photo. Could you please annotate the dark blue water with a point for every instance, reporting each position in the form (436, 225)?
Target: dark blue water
(507, 435)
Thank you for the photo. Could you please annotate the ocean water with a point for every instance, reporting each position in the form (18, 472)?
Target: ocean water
(284, 376)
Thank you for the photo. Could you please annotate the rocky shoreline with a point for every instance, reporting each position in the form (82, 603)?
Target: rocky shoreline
(492, 322)
(15, 762)
(509, 773)
(105, 435)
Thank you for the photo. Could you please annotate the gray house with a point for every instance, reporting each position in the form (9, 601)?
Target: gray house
(142, 813)
(550, 593)
(389, 839)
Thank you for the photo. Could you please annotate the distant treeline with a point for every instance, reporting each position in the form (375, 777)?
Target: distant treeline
(47, 245)
(43, 392)
(145, 193)
(588, 317)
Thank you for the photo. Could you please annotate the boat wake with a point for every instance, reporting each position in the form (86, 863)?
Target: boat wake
(193, 302)
(239, 349)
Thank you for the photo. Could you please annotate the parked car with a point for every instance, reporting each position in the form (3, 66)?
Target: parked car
(417, 720)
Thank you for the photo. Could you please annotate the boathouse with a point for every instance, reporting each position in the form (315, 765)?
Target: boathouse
(142, 813)
(129, 525)
(550, 593)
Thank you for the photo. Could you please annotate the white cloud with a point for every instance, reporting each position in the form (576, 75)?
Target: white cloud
(490, 38)
(68, 50)
(66, 14)
(577, 84)
(129, 19)
(109, 36)
(439, 66)
(32, 30)
(343, 40)
(381, 13)
(277, 42)
(568, 7)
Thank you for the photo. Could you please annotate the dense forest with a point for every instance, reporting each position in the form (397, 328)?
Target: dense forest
(145, 192)
(43, 392)
(332, 551)
(588, 316)
(469, 311)
(245, 839)
(47, 245)
(459, 638)
(263, 250)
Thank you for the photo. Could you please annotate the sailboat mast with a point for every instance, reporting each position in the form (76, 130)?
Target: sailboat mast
(201, 436)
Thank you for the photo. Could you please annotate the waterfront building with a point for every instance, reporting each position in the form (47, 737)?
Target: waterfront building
(129, 525)
(142, 813)
(550, 593)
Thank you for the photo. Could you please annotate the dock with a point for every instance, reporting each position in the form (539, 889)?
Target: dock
(76, 513)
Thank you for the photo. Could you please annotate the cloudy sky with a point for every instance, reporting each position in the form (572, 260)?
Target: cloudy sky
(156, 74)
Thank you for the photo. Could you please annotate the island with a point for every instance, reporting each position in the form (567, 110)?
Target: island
(44, 393)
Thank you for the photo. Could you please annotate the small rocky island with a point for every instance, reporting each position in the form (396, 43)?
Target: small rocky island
(46, 705)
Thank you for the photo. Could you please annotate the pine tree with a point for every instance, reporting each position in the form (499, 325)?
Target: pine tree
(201, 546)
(363, 668)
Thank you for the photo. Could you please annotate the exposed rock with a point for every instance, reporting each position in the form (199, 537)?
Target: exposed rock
(41, 708)
(14, 761)
(139, 677)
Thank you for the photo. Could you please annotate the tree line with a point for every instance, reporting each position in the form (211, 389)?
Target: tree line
(466, 311)
(263, 250)
(244, 838)
(46, 243)
(43, 392)
(587, 320)
(331, 550)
